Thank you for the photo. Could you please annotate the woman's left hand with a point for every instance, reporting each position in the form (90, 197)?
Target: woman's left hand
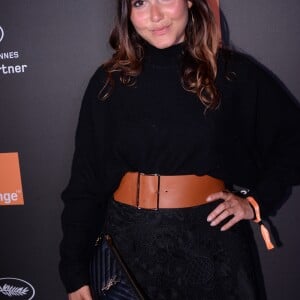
(233, 205)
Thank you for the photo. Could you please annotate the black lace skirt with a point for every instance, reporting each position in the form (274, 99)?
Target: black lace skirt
(176, 254)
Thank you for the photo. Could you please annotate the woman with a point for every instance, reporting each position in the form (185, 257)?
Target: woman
(220, 132)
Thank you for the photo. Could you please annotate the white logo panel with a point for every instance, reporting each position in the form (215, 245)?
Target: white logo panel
(1, 34)
(15, 288)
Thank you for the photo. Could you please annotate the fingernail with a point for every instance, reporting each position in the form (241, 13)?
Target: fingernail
(212, 224)
(209, 219)
(222, 229)
(208, 199)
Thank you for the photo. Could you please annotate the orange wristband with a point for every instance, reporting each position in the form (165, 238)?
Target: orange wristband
(264, 231)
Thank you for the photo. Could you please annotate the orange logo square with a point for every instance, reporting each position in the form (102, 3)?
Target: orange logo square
(10, 180)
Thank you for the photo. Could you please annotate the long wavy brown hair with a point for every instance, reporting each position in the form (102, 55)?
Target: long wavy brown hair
(199, 67)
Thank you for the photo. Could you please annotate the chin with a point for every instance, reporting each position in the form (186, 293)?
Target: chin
(162, 44)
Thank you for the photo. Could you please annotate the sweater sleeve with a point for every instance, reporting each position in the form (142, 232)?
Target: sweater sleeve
(277, 142)
(84, 197)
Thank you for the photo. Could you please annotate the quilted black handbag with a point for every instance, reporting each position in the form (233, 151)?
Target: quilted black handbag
(110, 279)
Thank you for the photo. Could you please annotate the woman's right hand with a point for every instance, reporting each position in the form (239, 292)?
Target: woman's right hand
(83, 293)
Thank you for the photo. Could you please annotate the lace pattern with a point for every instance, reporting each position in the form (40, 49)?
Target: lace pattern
(176, 254)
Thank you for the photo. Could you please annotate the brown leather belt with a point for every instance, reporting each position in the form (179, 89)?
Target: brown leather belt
(157, 191)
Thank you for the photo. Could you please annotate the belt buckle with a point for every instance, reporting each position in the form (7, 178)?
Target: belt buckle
(138, 190)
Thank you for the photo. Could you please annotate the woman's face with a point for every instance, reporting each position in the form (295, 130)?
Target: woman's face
(160, 22)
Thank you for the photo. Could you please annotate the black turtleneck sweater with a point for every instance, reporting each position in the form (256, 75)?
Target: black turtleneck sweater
(252, 140)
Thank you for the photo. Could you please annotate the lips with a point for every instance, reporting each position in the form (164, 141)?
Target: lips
(161, 30)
